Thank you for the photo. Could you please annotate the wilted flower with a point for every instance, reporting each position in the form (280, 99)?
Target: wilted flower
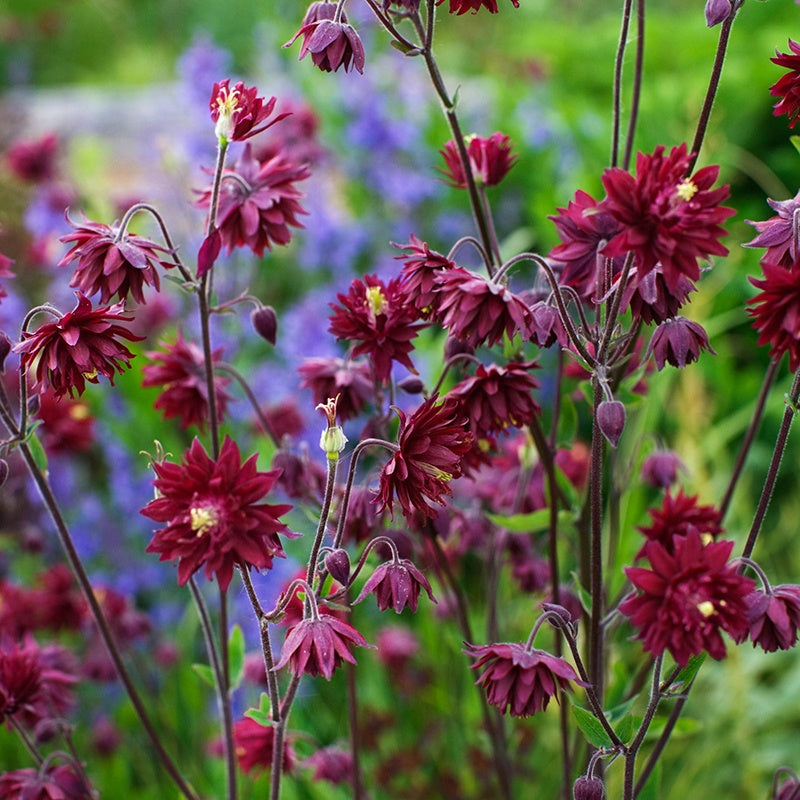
(214, 520)
(520, 679)
(776, 312)
(255, 745)
(258, 202)
(318, 645)
(396, 584)
(779, 234)
(496, 397)
(180, 372)
(77, 348)
(431, 443)
(489, 159)
(111, 264)
(238, 113)
(773, 615)
(379, 319)
(666, 217)
(678, 341)
(787, 88)
(687, 598)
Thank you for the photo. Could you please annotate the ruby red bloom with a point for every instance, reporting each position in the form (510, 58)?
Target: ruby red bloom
(180, 372)
(678, 515)
(479, 311)
(774, 617)
(666, 217)
(518, 679)
(34, 160)
(687, 598)
(651, 300)
(420, 273)
(258, 202)
(678, 342)
(79, 347)
(67, 424)
(396, 584)
(462, 6)
(213, 516)
(584, 228)
(496, 397)
(332, 42)
(238, 113)
(255, 745)
(111, 264)
(432, 443)
(350, 381)
(50, 782)
(489, 159)
(776, 312)
(380, 319)
(787, 87)
(780, 234)
(317, 646)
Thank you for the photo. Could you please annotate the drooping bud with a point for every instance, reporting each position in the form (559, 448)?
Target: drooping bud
(265, 323)
(411, 385)
(337, 562)
(586, 788)
(611, 420)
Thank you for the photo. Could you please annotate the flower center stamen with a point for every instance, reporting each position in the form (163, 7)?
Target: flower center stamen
(204, 518)
(706, 608)
(376, 300)
(686, 190)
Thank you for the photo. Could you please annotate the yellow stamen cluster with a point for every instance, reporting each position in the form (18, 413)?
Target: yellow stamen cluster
(376, 300)
(203, 519)
(686, 190)
(227, 106)
(706, 608)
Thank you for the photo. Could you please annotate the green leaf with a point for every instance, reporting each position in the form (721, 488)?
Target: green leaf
(567, 422)
(37, 452)
(206, 673)
(534, 522)
(689, 672)
(624, 728)
(236, 656)
(583, 595)
(795, 140)
(591, 727)
(263, 714)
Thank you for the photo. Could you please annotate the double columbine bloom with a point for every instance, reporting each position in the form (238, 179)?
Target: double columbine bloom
(213, 516)
(239, 113)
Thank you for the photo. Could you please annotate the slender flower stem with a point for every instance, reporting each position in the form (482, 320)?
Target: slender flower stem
(30, 746)
(617, 92)
(224, 689)
(352, 714)
(596, 556)
(711, 92)
(633, 748)
(658, 747)
(102, 624)
(250, 395)
(311, 570)
(637, 85)
(774, 465)
(755, 422)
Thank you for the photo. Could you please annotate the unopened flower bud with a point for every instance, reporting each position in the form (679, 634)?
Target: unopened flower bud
(586, 788)
(411, 385)
(332, 440)
(611, 420)
(337, 562)
(265, 323)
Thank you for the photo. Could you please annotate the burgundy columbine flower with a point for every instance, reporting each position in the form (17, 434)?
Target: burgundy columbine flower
(332, 42)
(34, 160)
(380, 319)
(666, 216)
(213, 516)
(238, 113)
(255, 745)
(546, 326)
(331, 764)
(67, 424)
(432, 442)
(420, 274)
(478, 311)
(776, 312)
(660, 469)
(82, 345)
(258, 202)
(677, 516)
(462, 6)
(780, 234)
(111, 264)
(651, 300)
(50, 782)
(350, 381)
(774, 617)
(496, 397)
(180, 372)
(518, 679)
(787, 87)
(687, 598)
(584, 228)
(489, 159)
(317, 646)
(678, 341)
(396, 584)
